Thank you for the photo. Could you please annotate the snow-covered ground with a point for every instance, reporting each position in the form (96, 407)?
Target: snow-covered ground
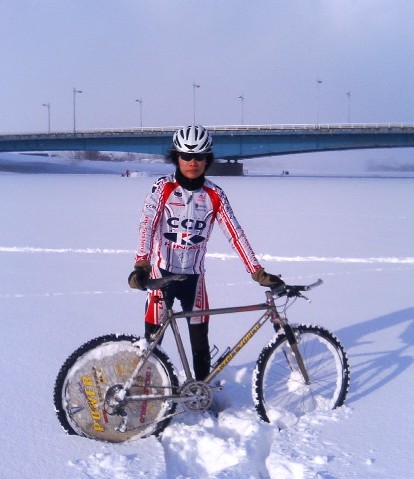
(66, 248)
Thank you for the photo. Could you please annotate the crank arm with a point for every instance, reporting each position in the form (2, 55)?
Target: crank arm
(175, 399)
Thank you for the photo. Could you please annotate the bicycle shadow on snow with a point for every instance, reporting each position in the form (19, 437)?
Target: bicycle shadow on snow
(372, 365)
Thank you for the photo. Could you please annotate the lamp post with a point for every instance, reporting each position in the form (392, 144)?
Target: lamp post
(47, 105)
(139, 100)
(241, 98)
(318, 83)
(75, 91)
(195, 85)
(349, 106)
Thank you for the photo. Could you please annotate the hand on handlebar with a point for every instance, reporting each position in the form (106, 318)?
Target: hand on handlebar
(139, 277)
(266, 279)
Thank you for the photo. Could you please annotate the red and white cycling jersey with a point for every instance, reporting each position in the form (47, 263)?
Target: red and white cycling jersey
(176, 225)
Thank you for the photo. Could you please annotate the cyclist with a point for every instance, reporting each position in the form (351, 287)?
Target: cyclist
(176, 223)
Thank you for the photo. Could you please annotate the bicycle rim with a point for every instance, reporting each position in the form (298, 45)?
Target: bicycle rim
(280, 392)
(100, 364)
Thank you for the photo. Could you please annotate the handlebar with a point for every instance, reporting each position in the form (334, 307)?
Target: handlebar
(290, 291)
(294, 291)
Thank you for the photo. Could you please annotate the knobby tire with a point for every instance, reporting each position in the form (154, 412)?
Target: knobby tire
(279, 390)
(105, 362)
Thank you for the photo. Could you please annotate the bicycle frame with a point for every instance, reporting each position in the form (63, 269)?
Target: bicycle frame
(270, 313)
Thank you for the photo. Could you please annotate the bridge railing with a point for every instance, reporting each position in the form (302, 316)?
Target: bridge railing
(312, 127)
(216, 128)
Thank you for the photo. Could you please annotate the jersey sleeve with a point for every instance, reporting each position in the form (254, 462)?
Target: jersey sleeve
(234, 232)
(150, 216)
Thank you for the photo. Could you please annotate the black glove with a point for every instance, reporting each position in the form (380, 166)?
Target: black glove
(139, 277)
(268, 280)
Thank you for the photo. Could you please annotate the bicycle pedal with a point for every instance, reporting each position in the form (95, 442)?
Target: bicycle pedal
(218, 385)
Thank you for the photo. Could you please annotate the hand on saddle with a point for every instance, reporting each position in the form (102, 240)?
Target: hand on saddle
(139, 277)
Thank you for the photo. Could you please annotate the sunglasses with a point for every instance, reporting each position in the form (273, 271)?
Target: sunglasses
(193, 156)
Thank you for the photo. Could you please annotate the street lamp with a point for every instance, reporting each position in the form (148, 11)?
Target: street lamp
(47, 105)
(139, 100)
(75, 91)
(241, 98)
(349, 106)
(195, 85)
(318, 82)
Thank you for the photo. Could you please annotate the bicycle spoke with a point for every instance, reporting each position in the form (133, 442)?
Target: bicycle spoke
(87, 391)
(279, 386)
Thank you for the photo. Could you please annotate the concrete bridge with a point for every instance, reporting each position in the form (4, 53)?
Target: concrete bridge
(230, 142)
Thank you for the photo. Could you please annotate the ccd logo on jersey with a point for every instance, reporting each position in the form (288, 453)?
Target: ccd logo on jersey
(184, 239)
(187, 224)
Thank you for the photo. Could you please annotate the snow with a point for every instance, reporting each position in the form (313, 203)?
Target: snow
(66, 246)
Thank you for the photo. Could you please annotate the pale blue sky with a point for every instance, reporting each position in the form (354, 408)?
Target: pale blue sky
(270, 51)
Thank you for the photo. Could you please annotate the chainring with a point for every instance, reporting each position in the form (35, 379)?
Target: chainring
(198, 396)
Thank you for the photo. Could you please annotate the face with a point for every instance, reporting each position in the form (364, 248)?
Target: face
(192, 166)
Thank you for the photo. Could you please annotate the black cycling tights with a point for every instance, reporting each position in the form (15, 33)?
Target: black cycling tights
(185, 291)
(199, 346)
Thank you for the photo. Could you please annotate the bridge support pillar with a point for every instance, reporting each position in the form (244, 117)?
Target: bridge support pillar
(226, 168)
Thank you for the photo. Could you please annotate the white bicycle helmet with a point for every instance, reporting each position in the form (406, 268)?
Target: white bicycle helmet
(192, 139)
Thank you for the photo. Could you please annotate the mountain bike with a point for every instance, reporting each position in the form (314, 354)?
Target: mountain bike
(117, 388)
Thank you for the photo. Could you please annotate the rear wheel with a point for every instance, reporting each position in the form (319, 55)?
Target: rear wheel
(279, 389)
(95, 372)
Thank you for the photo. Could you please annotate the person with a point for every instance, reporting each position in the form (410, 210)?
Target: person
(175, 226)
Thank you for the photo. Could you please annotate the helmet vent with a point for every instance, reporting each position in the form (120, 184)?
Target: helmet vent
(192, 139)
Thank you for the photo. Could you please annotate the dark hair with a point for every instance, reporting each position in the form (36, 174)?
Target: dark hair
(173, 154)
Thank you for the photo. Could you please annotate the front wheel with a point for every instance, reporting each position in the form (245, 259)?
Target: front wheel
(95, 372)
(280, 392)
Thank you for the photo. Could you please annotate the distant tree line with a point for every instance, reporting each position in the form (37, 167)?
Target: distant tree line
(111, 156)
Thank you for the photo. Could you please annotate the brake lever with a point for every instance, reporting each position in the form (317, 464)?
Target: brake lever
(300, 295)
(295, 292)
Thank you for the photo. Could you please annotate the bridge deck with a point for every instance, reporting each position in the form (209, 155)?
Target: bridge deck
(234, 141)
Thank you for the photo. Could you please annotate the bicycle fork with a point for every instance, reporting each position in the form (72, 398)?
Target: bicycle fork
(293, 343)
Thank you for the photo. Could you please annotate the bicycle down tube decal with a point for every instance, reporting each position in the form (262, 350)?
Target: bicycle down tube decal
(245, 339)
